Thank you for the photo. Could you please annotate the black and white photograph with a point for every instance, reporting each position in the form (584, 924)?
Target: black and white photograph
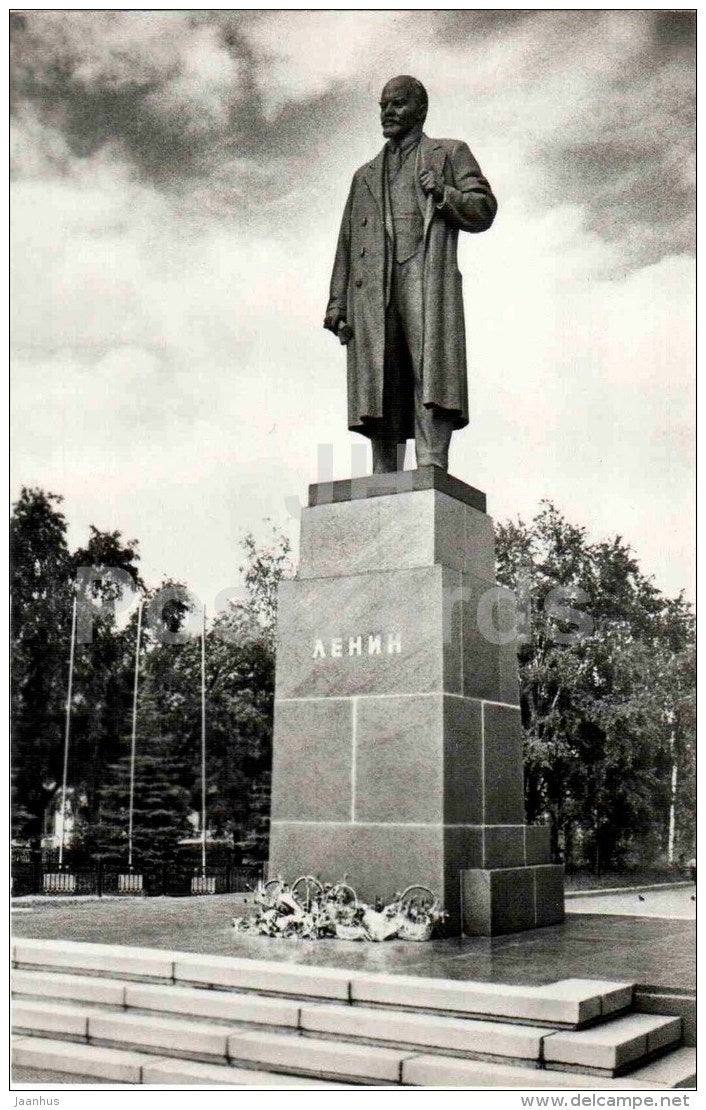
(352, 553)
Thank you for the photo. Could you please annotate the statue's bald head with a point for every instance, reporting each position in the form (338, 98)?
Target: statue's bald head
(403, 105)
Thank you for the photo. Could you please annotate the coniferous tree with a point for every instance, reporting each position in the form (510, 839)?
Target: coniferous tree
(161, 806)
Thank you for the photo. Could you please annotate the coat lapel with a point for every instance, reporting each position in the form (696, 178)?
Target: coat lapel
(430, 156)
(373, 179)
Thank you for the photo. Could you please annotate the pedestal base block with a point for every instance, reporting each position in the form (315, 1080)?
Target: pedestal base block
(510, 899)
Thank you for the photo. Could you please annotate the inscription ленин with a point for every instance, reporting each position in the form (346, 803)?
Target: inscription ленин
(379, 643)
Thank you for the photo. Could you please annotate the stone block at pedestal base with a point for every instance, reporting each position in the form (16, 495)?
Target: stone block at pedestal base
(510, 899)
(378, 859)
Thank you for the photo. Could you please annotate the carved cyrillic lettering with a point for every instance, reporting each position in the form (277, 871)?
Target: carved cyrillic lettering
(337, 645)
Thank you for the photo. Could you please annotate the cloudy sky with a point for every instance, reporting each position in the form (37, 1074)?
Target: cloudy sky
(179, 179)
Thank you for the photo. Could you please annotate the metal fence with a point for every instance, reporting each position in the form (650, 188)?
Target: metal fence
(35, 874)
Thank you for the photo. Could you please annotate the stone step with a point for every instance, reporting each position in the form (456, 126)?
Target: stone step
(75, 988)
(463, 1036)
(662, 1000)
(676, 1069)
(356, 1063)
(460, 1036)
(457, 1036)
(42, 1018)
(122, 1066)
(613, 1047)
(164, 998)
(440, 1071)
(146, 964)
(307, 1047)
(568, 1003)
(191, 1040)
(194, 1040)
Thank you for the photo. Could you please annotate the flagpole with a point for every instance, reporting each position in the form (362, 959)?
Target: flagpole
(203, 744)
(67, 733)
(134, 734)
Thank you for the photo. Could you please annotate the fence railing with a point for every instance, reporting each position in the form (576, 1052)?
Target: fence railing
(110, 877)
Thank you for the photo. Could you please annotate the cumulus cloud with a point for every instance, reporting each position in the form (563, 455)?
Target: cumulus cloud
(178, 186)
(593, 108)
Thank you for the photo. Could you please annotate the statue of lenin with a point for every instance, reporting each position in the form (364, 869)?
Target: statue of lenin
(396, 292)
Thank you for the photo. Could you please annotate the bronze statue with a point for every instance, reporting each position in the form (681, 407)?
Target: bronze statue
(396, 296)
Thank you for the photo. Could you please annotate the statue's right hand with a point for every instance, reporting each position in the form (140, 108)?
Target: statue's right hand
(332, 320)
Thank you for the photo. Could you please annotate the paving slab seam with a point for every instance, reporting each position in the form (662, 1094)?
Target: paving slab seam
(156, 1050)
(227, 1022)
(94, 973)
(400, 1066)
(230, 988)
(313, 1073)
(90, 1003)
(542, 1064)
(440, 1051)
(585, 1069)
(46, 1034)
(475, 1015)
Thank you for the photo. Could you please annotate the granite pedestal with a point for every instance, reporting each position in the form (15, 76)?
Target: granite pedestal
(397, 741)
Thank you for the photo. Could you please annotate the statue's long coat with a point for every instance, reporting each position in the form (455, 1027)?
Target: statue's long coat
(360, 279)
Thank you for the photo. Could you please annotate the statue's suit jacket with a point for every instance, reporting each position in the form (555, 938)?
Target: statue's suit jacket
(358, 282)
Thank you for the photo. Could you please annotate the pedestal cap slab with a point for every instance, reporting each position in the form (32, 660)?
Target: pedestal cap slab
(393, 532)
(405, 481)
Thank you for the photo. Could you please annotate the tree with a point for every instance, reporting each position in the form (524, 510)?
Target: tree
(160, 809)
(264, 568)
(104, 666)
(247, 680)
(239, 703)
(40, 584)
(598, 687)
(43, 586)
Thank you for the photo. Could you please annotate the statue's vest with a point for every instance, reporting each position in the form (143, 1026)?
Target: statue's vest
(407, 218)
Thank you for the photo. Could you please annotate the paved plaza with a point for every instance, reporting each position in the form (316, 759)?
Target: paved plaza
(648, 950)
(674, 902)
